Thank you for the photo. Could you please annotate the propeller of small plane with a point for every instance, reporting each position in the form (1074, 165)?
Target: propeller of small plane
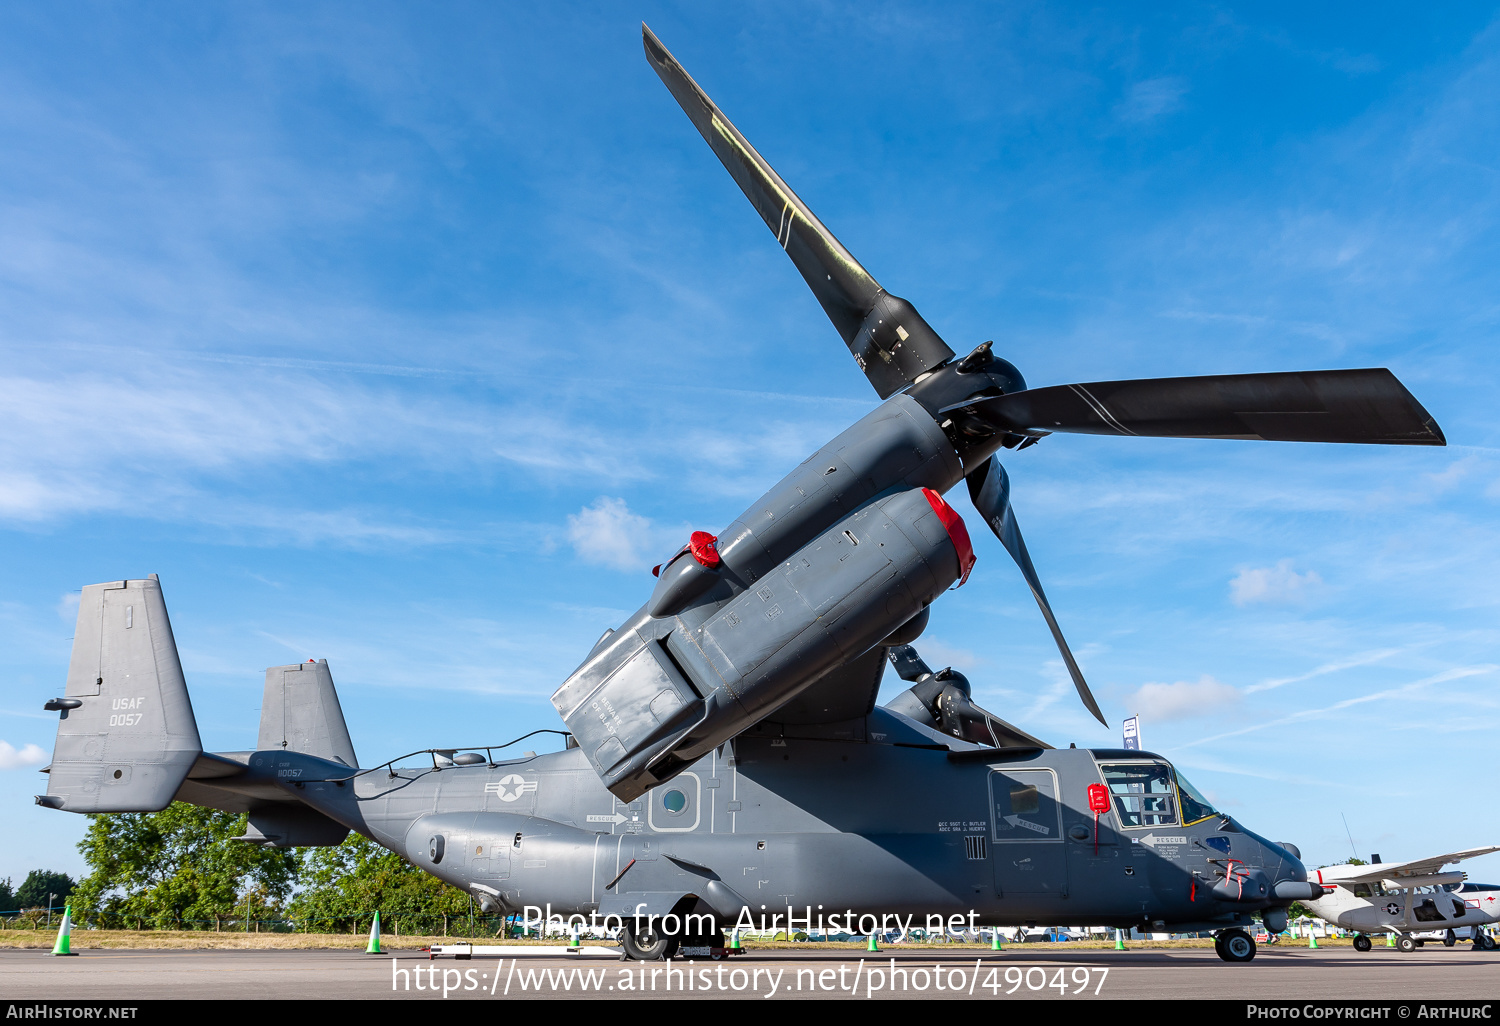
(982, 401)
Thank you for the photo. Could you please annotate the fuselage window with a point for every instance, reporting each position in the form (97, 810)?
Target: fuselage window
(1025, 800)
(1427, 912)
(1143, 793)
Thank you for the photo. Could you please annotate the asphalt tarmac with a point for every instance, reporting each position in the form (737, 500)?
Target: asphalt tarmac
(1052, 973)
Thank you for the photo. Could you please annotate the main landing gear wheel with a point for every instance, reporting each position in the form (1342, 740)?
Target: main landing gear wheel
(1449, 939)
(1235, 946)
(1362, 943)
(1483, 942)
(1406, 945)
(649, 945)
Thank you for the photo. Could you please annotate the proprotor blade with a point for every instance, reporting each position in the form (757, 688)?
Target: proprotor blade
(909, 666)
(989, 487)
(1304, 406)
(889, 339)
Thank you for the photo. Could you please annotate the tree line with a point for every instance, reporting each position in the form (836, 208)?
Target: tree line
(41, 889)
(180, 869)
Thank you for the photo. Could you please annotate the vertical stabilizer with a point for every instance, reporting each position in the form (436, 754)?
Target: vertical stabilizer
(127, 736)
(301, 713)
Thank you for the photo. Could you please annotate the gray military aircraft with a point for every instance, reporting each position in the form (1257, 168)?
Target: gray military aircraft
(726, 761)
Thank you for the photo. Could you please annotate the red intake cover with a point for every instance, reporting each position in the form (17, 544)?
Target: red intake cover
(957, 532)
(705, 548)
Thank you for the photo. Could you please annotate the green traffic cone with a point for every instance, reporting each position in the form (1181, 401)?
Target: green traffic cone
(734, 940)
(64, 932)
(995, 944)
(373, 948)
(1390, 940)
(1312, 939)
(1119, 941)
(874, 945)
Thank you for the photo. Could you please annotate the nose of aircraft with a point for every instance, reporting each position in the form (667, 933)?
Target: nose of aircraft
(1289, 879)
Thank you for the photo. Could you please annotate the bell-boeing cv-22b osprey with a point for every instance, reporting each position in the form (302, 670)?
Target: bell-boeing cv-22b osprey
(725, 756)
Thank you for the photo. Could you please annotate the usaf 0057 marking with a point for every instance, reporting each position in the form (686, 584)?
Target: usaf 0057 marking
(724, 747)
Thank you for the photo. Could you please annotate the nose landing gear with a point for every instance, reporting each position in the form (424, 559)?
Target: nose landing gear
(1235, 946)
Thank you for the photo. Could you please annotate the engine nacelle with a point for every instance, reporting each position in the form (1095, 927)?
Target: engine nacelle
(896, 446)
(642, 709)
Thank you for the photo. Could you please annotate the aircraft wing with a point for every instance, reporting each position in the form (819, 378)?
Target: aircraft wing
(1397, 870)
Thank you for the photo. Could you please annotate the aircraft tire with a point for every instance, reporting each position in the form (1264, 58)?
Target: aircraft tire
(1449, 939)
(1362, 943)
(1235, 946)
(649, 945)
(1406, 945)
(1489, 943)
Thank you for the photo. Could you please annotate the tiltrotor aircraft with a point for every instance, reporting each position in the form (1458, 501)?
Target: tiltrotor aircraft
(725, 754)
(1403, 898)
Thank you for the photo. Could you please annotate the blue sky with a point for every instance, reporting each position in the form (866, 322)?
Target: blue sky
(412, 336)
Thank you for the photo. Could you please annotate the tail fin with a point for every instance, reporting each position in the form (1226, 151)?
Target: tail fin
(127, 736)
(301, 713)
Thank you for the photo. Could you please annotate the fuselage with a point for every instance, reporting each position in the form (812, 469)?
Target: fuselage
(1374, 908)
(878, 816)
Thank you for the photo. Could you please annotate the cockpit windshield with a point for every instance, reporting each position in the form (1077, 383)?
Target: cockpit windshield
(1194, 805)
(1143, 793)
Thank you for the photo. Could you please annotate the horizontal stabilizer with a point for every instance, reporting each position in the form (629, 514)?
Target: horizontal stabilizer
(127, 736)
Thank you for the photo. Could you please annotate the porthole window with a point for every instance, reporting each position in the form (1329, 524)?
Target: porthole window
(674, 801)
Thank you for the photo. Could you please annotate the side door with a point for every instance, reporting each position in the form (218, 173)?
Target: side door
(1026, 828)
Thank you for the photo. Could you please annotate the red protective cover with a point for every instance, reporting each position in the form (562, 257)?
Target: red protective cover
(1098, 802)
(1098, 798)
(705, 548)
(957, 532)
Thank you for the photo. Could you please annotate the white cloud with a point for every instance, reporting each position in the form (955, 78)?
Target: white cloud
(1278, 584)
(938, 655)
(1151, 99)
(67, 606)
(1183, 700)
(608, 534)
(30, 755)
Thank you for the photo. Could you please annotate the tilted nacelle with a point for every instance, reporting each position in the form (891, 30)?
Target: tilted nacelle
(834, 559)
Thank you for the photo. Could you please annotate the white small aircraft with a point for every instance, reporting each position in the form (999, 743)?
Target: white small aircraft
(1408, 897)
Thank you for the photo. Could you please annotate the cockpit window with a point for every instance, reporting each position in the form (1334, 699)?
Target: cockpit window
(1143, 793)
(1194, 805)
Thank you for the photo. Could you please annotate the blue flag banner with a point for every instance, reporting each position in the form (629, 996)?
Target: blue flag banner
(1132, 730)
